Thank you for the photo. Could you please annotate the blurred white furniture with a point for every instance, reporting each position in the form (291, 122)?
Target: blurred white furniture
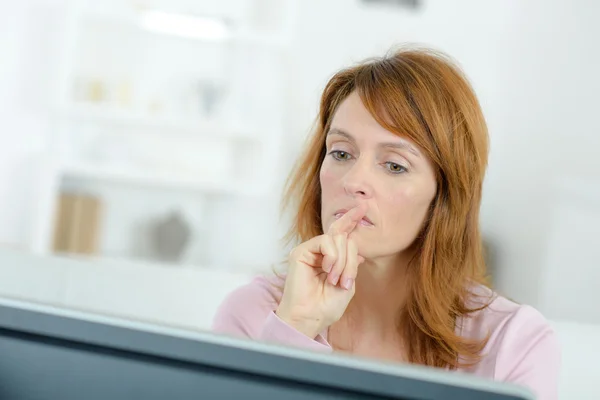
(179, 296)
(189, 297)
(129, 111)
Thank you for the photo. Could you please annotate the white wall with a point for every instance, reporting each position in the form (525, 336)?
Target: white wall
(545, 130)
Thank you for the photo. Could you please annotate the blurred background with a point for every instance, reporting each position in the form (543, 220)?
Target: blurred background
(152, 138)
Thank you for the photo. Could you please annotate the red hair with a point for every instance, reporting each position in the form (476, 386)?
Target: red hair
(423, 96)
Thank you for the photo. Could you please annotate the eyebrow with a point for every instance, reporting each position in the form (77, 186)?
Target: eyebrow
(403, 145)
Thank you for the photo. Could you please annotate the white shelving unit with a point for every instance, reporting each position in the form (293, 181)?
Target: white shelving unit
(130, 111)
(144, 179)
(120, 118)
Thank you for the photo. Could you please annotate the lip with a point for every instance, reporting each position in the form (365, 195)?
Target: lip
(365, 221)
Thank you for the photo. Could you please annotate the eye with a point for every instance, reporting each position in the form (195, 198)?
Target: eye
(395, 168)
(340, 155)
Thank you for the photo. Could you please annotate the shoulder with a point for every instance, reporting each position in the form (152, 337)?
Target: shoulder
(245, 308)
(500, 316)
(522, 345)
(262, 289)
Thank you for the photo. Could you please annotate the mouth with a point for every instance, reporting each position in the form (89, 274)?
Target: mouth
(365, 221)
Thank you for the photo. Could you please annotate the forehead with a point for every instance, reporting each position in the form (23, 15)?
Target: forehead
(353, 117)
(353, 121)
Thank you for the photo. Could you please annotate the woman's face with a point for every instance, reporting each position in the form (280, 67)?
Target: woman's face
(366, 163)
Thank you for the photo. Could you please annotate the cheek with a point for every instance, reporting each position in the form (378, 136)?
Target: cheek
(408, 205)
(398, 203)
(329, 180)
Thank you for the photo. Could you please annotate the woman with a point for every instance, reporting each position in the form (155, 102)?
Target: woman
(390, 261)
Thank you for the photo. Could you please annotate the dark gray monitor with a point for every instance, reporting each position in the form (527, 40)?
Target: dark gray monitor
(53, 353)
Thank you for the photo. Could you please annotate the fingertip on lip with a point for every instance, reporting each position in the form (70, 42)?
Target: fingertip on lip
(361, 208)
(365, 222)
(356, 212)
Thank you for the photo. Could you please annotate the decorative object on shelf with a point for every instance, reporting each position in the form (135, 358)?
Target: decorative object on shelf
(209, 93)
(407, 4)
(77, 224)
(124, 94)
(202, 98)
(91, 90)
(171, 236)
(96, 90)
(155, 107)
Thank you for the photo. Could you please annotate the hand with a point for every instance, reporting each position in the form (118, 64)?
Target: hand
(320, 280)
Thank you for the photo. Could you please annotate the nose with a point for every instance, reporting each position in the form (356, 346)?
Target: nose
(357, 181)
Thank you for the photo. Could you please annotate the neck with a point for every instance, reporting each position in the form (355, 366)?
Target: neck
(381, 289)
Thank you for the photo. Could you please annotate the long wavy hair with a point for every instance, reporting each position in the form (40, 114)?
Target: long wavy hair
(422, 95)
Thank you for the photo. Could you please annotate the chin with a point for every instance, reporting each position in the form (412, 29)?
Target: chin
(362, 243)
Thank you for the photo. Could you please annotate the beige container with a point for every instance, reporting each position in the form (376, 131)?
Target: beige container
(77, 224)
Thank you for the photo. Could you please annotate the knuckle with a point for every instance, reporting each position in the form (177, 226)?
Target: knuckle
(294, 253)
(332, 239)
(332, 252)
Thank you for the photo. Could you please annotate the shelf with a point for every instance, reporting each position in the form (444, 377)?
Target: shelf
(102, 115)
(151, 179)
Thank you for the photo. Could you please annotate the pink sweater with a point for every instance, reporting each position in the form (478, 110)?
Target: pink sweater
(522, 349)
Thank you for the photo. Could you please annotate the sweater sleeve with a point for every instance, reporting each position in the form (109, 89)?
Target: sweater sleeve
(249, 312)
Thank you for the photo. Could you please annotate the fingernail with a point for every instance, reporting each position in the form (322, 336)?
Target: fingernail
(348, 283)
(335, 279)
(327, 267)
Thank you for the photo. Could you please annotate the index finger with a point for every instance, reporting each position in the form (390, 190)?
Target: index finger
(348, 221)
